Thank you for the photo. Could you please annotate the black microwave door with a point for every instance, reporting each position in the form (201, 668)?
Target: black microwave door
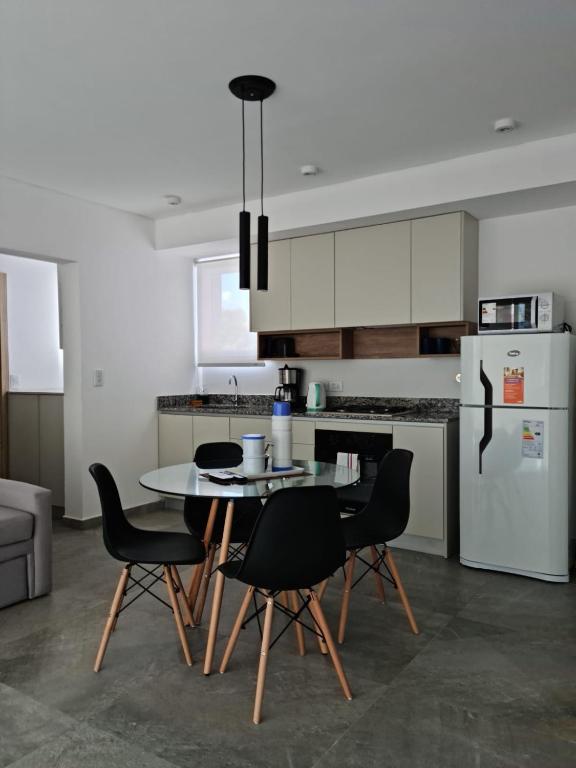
(505, 314)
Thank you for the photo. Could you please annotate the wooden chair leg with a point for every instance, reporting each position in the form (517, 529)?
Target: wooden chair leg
(318, 614)
(377, 576)
(297, 626)
(177, 615)
(346, 596)
(205, 584)
(322, 588)
(389, 560)
(267, 631)
(197, 573)
(218, 589)
(111, 620)
(231, 644)
(199, 570)
(188, 620)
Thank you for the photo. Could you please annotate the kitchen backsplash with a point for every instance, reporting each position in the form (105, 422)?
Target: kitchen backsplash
(407, 377)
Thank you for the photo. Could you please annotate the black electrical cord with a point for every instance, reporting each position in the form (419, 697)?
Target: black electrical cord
(243, 159)
(261, 162)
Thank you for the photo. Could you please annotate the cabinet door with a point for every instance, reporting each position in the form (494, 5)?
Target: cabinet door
(210, 429)
(303, 431)
(436, 268)
(373, 275)
(24, 438)
(242, 425)
(270, 310)
(302, 452)
(175, 443)
(51, 434)
(426, 478)
(312, 281)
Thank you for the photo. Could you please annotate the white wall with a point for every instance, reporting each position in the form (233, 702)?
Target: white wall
(530, 252)
(369, 378)
(402, 194)
(33, 335)
(128, 310)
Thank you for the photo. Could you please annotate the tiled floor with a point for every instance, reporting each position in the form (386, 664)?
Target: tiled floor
(489, 683)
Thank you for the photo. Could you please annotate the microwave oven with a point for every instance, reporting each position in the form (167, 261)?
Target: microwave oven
(523, 313)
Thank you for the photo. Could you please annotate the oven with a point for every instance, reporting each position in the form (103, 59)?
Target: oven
(370, 447)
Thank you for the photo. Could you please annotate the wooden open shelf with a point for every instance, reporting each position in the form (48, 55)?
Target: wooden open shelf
(323, 344)
(378, 342)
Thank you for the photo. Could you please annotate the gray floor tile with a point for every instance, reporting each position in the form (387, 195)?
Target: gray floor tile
(85, 747)
(490, 681)
(25, 725)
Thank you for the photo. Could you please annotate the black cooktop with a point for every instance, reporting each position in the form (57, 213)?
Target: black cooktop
(376, 410)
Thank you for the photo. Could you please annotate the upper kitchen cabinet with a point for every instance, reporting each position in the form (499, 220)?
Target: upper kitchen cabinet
(444, 268)
(270, 310)
(312, 279)
(372, 283)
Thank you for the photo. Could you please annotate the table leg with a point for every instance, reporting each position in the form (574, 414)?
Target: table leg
(218, 589)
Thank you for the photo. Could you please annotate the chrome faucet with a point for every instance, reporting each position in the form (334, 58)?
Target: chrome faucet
(234, 380)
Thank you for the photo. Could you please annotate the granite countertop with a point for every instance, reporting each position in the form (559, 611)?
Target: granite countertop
(422, 411)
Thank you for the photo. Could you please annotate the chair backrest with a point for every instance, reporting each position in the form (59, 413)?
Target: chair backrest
(297, 541)
(386, 514)
(115, 527)
(218, 455)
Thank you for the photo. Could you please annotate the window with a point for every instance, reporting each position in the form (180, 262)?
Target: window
(222, 315)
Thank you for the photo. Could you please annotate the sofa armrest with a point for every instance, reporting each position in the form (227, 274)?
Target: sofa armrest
(37, 502)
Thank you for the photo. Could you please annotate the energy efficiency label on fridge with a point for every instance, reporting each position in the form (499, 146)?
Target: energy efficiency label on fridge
(532, 439)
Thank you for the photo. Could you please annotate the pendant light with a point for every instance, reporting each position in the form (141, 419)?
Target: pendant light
(253, 88)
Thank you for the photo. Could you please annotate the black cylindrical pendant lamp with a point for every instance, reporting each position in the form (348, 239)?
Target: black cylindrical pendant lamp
(253, 88)
(244, 249)
(262, 253)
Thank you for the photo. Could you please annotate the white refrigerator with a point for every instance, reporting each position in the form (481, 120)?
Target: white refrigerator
(516, 463)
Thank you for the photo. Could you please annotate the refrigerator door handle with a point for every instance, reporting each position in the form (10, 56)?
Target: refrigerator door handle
(488, 401)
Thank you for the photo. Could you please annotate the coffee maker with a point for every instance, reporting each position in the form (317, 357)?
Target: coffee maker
(290, 381)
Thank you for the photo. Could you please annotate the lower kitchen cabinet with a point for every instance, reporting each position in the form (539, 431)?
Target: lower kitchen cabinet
(426, 478)
(179, 435)
(246, 425)
(433, 524)
(175, 439)
(210, 429)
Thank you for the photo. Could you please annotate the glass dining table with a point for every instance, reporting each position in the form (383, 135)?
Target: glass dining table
(187, 480)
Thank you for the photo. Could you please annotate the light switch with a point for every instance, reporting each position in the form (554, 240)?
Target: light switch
(98, 377)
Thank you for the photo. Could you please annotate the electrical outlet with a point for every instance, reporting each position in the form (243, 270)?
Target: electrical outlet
(334, 386)
(14, 381)
(97, 377)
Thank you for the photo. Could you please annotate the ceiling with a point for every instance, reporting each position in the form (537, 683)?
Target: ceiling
(124, 101)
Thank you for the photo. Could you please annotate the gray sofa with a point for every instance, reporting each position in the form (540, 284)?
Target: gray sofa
(25, 541)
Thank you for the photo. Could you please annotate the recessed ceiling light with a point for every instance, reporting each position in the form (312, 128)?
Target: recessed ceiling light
(309, 170)
(173, 199)
(505, 124)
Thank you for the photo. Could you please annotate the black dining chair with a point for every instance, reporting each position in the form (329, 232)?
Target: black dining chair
(223, 455)
(383, 519)
(156, 553)
(297, 542)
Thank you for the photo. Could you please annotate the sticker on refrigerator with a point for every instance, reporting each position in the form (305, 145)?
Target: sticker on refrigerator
(533, 439)
(513, 386)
